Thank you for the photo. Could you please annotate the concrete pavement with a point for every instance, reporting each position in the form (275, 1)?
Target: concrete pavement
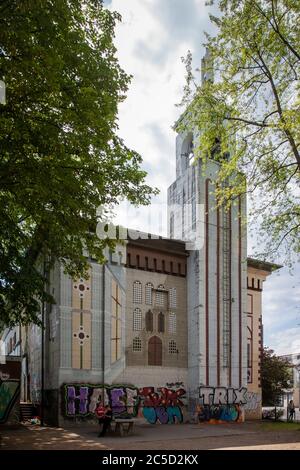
(153, 437)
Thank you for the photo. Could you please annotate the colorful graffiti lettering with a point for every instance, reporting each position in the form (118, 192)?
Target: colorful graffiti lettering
(80, 400)
(9, 389)
(163, 406)
(220, 404)
(219, 413)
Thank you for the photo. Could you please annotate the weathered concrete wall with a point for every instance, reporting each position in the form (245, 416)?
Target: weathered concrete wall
(10, 374)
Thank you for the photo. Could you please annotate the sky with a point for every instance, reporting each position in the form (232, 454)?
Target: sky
(151, 39)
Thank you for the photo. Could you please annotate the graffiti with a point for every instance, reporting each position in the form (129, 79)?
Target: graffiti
(273, 413)
(223, 396)
(163, 405)
(80, 400)
(175, 384)
(9, 389)
(220, 404)
(253, 401)
(219, 413)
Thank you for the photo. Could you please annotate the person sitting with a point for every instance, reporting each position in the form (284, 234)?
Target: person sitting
(104, 415)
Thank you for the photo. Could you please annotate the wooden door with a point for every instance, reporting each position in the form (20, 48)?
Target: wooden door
(155, 351)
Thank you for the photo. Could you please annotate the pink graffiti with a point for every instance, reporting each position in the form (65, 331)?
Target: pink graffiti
(167, 397)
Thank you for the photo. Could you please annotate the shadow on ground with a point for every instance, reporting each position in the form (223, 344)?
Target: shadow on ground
(153, 437)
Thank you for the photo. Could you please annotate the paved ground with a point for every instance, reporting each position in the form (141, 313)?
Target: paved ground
(154, 437)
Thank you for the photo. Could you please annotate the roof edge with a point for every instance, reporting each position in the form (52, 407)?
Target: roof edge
(264, 265)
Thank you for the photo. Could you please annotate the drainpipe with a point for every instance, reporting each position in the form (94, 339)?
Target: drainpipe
(103, 331)
(43, 352)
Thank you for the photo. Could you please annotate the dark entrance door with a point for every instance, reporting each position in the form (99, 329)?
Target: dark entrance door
(155, 351)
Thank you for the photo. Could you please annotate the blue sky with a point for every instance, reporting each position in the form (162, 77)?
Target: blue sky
(152, 38)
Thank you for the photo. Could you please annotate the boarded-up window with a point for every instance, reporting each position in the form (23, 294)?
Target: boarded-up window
(149, 321)
(155, 351)
(148, 293)
(161, 323)
(137, 292)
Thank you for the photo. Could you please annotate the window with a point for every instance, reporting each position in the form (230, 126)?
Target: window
(137, 320)
(116, 322)
(160, 296)
(173, 347)
(137, 292)
(249, 355)
(137, 344)
(183, 213)
(173, 297)
(249, 347)
(249, 303)
(149, 321)
(161, 323)
(172, 225)
(148, 293)
(172, 323)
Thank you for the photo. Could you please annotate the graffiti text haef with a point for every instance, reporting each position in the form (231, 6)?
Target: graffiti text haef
(163, 405)
(223, 396)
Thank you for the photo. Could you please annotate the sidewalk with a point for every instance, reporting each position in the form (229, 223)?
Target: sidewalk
(153, 437)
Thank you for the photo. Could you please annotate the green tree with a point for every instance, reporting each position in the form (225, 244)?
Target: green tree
(276, 374)
(60, 154)
(251, 111)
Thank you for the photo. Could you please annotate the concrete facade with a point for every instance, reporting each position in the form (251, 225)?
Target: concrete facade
(168, 328)
(216, 271)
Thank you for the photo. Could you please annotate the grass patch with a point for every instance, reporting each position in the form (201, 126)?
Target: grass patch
(280, 426)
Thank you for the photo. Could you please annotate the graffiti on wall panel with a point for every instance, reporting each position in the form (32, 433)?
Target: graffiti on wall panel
(253, 401)
(162, 405)
(9, 389)
(220, 404)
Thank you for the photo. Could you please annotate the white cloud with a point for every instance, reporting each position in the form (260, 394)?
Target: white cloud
(286, 341)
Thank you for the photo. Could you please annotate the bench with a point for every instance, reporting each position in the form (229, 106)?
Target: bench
(123, 427)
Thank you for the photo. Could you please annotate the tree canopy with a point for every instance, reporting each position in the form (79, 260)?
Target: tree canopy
(250, 110)
(276, 375)
(60, 154)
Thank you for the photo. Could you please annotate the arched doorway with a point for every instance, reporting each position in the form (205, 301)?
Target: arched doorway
(155, 351)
